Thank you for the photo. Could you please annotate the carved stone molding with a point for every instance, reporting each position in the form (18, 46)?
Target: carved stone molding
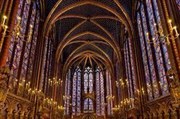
(3, 91)
(15, 106)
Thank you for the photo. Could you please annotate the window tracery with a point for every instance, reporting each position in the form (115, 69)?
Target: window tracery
(94, 87)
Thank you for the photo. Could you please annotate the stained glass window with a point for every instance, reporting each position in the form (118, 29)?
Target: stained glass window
(74, 93)
(145, 56)
(109, 93)
(102, 93)
(67, 93)
(88, 86)
(20, 10)
(88, 105)
(45, 66)
(76, 96)
(130, 69)
(28, 42)
(16, 54)
(17, 44)
(21, 40)
(178, 3)
(78, 91)
(100, 100)
(33, 44)
(154, 49)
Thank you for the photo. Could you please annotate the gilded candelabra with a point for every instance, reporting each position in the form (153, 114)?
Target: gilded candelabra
(122, 83)
(50, 102)
(164, 38)
(4, 27)
(66, 97)
(55, 82)
(16, 32)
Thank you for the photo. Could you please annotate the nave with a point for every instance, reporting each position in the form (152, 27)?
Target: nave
(89, 59)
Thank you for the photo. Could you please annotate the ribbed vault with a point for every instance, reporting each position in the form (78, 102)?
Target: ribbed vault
(88, 32)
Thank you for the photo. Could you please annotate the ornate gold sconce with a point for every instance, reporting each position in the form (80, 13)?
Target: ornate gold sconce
(162, 38)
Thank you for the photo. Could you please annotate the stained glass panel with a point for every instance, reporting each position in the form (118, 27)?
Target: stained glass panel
(109, 93)
(144, 56)
(88, 83)
(28, 43)
(154, 50)
(74, 93)
(88, 105)
(178, 3)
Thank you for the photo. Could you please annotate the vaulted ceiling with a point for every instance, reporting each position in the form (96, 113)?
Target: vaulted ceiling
(88, 31)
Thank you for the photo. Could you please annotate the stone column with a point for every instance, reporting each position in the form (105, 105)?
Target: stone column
(6, 44)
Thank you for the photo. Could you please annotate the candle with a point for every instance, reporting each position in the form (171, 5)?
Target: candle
(3, 35)
(161, 31)
(127, 81)
(18, 20)
(167, 40)
(4, 20)
(30, 34)
(15, 83)
(170, 24)
(51, 83)
(27, 85)
(175, 29)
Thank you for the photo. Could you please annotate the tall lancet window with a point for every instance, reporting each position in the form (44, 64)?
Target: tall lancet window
(88, 88)
(85, 91)
(12, 47)
(17, 43)
(130, 68)
(76, 94)
(67, 96)
(20, 41)
(154, 49)
(100, 100)
(22, 48)
(109, 93)
(88, 80)
(29, 44)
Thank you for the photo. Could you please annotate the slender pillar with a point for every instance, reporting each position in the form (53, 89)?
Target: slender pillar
(6, 44)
